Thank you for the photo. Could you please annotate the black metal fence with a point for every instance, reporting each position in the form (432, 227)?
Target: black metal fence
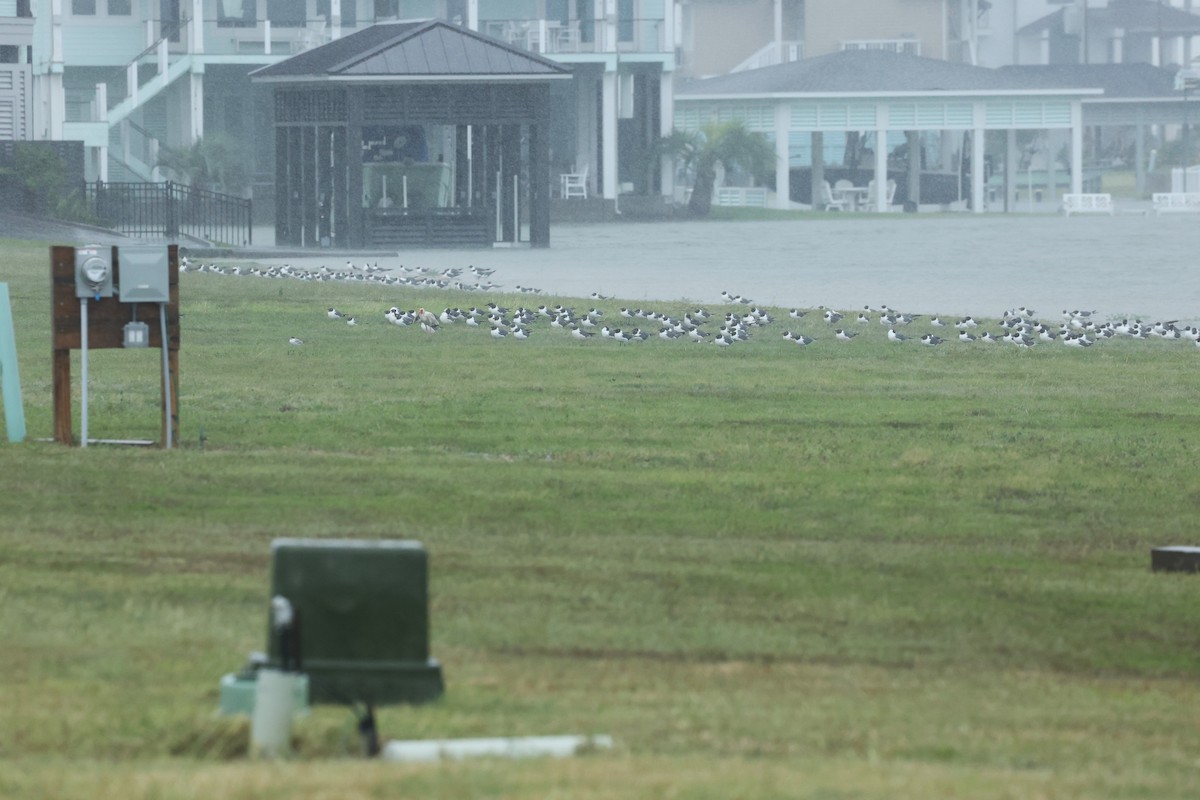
(169, 210)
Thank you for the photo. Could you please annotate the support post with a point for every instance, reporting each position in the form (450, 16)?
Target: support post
(1139, 157)
(609, 127)
(817, 140)
(1010, 171)
(978, 133)
(881, 158)
(1076, 147)
(913, 191)
(783, 171)
(10, 376)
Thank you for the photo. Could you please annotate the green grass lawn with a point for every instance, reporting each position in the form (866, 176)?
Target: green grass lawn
(853, 570)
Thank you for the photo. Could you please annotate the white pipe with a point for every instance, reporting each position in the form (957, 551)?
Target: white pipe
(499, 196)
(516, 209)
(83, 356)
(518, 747)
(404, 188)
(166, 368)
(271, 723)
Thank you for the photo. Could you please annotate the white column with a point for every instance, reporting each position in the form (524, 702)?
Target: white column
(608, 157)
(473, 14)
(335, 18)
(1076, 147)
(1139, 156)
(668, 40)
(666, 117)
(881, 154)
(977, 153)
(101, 115)
(608, 12)
(1010, 170)
(195, 106)
(783, 172)
(56, 100)
(196, 27)
(162, 59)
(1052, 167)
(585, 129)
(778, 31)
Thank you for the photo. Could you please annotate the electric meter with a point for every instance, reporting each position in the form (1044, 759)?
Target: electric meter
(93, 272)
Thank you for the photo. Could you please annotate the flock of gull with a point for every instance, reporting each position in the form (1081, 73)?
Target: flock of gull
(1020, 327)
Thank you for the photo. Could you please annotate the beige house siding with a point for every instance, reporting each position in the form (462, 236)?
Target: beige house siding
(724, 33)
(830, 22)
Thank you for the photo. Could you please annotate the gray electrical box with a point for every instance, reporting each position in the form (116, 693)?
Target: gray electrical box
(145, 273)
(93, 271)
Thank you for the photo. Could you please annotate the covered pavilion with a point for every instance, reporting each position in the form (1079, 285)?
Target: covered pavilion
(1137, 96)
(881, 92)
(417, 134)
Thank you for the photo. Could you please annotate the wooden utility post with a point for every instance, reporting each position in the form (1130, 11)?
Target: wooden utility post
(107, 319)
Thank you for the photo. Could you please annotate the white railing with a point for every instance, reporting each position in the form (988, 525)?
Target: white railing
(1171, 202)
(1099, 203)
(911, 47)
(772, 54)
(741, 196)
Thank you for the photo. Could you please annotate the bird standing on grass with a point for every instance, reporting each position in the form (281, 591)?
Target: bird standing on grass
(294, 342)
(429, 323)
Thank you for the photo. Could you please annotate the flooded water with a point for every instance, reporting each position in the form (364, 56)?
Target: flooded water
(1124, 265)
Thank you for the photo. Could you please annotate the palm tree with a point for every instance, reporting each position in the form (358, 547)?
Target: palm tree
(729, 144)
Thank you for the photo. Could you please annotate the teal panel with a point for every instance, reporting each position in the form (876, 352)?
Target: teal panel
(804, 116)
(998, 115)
(1027, 115)
(652, 9)
(10, 378)
(417, 9)
(1056, 113)
(834, 116)
(902, 116)
(105, 45)
(688, 118)
(959, 116)
(861, 117)
(931, 116)
(506, 9)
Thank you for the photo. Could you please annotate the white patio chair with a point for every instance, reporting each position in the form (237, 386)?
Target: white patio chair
(831, 203)
(574, 184)
(891, 195)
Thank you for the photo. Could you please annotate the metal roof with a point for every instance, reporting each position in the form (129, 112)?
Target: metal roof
(1131, 16)
(865, 72)
(424, 50)
(1119, 81)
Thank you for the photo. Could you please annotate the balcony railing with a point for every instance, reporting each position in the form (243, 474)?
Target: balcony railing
(551, 36)
(772, 54)
(911, 47)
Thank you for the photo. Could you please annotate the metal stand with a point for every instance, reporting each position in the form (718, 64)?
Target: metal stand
(369, 732)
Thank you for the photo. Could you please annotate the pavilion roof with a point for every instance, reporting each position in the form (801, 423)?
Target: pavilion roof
(422, 50)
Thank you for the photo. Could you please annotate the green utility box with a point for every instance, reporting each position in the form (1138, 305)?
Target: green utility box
(237, 692)
(362, 616)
